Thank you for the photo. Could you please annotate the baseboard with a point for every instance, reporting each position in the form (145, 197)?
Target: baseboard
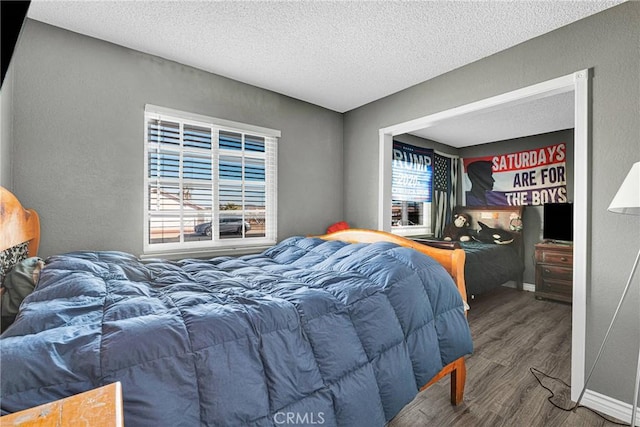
(529, 287)
(609, 406)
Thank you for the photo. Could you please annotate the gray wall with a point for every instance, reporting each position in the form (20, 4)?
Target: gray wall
(607, 42)
(532, 216)
(6, 124)
(78, 106)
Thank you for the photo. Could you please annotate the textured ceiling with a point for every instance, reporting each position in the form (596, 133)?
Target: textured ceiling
(336, 54)
(544, 115)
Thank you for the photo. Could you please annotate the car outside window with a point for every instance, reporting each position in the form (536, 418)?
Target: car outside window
(209, 183)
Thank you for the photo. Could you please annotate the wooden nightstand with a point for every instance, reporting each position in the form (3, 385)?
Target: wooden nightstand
(554, 271)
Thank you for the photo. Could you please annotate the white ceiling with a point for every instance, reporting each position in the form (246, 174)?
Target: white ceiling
(543, 115)
(336, 54)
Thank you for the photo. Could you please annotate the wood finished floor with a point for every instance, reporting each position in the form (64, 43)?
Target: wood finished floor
(512, 332)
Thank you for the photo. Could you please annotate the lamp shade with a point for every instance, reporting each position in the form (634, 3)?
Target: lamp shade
(627, 199)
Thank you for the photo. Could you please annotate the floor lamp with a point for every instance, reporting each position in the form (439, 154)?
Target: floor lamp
(626, 201)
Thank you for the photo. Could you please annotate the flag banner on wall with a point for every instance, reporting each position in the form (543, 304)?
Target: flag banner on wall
(530, 177)
(412, 169)
(445, 179)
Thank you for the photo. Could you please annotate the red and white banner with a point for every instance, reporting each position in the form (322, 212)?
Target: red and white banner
(530, 177)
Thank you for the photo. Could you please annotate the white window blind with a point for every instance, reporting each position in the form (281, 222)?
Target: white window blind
(209, 183)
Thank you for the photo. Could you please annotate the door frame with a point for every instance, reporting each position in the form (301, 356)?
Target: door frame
(580, 83)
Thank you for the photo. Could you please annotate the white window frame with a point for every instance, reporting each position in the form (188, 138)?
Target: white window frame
(424, 229)
(216, 125)
(417, 230)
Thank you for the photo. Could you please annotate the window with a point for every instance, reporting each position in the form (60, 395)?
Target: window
(411, 189)
(209, 183)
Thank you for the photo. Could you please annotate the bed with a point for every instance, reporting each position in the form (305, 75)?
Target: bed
(340, 329)
(489, 265)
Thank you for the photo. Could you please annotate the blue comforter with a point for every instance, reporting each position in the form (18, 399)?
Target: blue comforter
(307, 332)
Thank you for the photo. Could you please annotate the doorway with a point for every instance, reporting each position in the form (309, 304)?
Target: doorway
(578, 83)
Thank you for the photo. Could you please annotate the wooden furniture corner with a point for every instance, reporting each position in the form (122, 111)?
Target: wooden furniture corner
(100, 407)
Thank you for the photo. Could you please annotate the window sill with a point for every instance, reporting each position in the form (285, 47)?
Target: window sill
(204, 253)
(409, 231)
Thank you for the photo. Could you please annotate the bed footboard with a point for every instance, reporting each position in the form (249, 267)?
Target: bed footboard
(452, 259)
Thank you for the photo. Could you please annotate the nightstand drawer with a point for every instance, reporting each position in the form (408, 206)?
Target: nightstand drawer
(556, 272)
(556, 287)
(556, 258)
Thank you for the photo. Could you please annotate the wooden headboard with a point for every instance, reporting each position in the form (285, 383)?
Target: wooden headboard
(496, 217)
(451, 260)
(17, 224)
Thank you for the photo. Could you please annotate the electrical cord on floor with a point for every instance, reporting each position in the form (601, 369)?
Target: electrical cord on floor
(533, 372)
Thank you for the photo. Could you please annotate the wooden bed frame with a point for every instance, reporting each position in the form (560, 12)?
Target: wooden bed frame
(451, 260)
(19, 225)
